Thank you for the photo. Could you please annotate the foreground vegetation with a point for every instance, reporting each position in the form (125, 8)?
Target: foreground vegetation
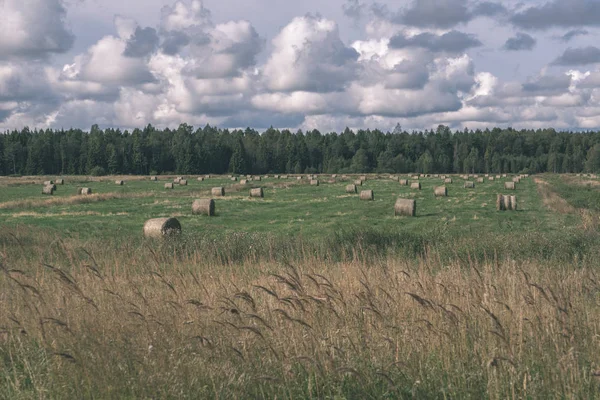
(460, 302)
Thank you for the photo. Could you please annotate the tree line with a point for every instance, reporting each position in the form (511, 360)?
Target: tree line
(186, 150)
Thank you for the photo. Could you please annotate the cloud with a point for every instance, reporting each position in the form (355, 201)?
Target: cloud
(354, 9)
(547, 85)
(453, 41)
(521, 41)
(142, 43)
(309, 55)
(559, 13)
(578, 56)
(567, 37)
(33, 28)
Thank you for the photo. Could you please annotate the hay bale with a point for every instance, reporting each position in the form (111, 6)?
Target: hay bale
(49, 190)
(469, 185)
(331, 181)
(491, 179)
(154, 178)
(234, 179)
(504, 175)
(60, 181)
(513, 202)
(358, 182)
(257, 178)
(79, 190)
(298, 178)
(403, 182)
(86, 191)
(200, 179)
(500, 206)
(415, 185)
(405, 207)
(516, 180)
(351, 189)
(169, 185)
(48, 183)
(203, 207)
(314, 182)
(276, 176)
(183, 182)
(119, 183)
(243, 181)
(257, 192)
(510, 185)
(334, 176)
(176, 180)
(363, 178)
(367, 195)
(283, 177)
(218, 191)
(448, 180)
(440, 191)
(161, 227)
(415, 177)
(480, 180)
(207, 176)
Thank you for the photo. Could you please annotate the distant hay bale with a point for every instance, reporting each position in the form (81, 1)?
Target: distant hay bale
(513, 202)
(443, 177)
(509, 185)
(498, 176)
(334, 176)
(86, 191)
(48, 183)
(203, 207)
(437, 176)
(169, 185)
(405, 207)
(363, 178)
(403, 182)
(79, 191)
(448, 180)
(504, 175)
(200, 179)
(218, 191)
(276, 176)
(517, 180)
(506, 203)
(351, 189)
(176, 180)
(119, 183)
(233, 179)
(358, 182)
(154, 178)
(314, 182)
(243, 181)
(491, 179)
(480, 180)
(331, 181)
(440, 191)
(49, 190)
(257, 178)
(207, 176)
(367, 195)
(469, 185)
(500, 206)
(415, 185)
(282, 177)
(415, 177)
(298, 178)
(60, 181)
(183, 182)
(257, 192)
(161, 227)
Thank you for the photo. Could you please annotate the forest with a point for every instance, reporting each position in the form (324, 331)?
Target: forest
(186, 150)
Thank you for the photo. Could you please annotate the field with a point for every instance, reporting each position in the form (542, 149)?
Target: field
(306, 293)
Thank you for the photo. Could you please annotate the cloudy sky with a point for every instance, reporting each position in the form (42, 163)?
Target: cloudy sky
(309, 64)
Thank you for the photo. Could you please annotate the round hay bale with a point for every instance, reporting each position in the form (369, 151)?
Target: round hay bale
(234, 179)
(79, 190)
(415, 177)
(334, 176)
(183, 182)
(498, 176)
(367, 195)
(513, 202)
(200, 179)
(161, 227)
(283, 177)
(119, 183)
(298, 178)
(509, 185)
(448, 180)
(500, 206)
(415, 185)
(257, 192)
(154, 178)
(363, 178)
(60, 181)
(169, 186)
(207, 176)
(86, 191)
(504, 175)
(331, 181)
(314, 182)
(276, 176)
(358, 182)
(49, 190)
(440, 191)
(203, 207)
(351, 189)
(176, 180)
(480, 180)
(491, 179)
(508, 203)
(48, 183)
(243, 181)
(405, 207)
(517, 180)
(403, 182)
(218, 191)
(469, 185)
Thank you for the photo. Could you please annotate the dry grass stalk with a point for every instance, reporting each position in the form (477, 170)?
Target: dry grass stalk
(161, 227)
(203, 207)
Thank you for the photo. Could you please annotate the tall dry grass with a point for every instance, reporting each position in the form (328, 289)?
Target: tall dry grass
(74, 324)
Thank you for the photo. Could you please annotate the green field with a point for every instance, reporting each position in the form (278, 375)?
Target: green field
(307, 293)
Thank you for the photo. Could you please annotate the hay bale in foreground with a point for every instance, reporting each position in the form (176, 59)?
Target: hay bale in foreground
(403, 182)
(119, 183)
(500, 203)
(314, 182)
(415, 185)
(513, 202)
(183, 182)
(448, 180)
(440, 191)
(161, 227)
(469, 185)
(257, 192)
(218, 191)
(509, 185)
(203, 207)
(506, 203)
(60, 181)
(49, 190)
(169, 186)
(351, 189)
(85, 191)
(367, 195)
(405, 207)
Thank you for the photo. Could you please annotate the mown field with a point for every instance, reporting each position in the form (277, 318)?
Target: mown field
(306, 293)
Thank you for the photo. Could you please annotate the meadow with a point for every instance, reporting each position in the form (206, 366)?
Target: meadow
(308, 292)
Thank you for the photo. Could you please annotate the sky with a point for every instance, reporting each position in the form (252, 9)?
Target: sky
(305, 65)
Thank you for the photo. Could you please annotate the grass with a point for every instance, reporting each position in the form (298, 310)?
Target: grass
(309, 293)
